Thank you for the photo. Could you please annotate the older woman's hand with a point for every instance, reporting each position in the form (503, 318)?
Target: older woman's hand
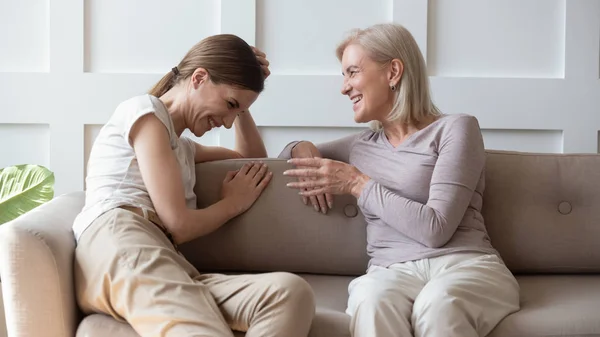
(326, 176)
(320, 202)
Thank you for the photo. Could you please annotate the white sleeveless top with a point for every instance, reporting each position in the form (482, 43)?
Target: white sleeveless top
(113, 175)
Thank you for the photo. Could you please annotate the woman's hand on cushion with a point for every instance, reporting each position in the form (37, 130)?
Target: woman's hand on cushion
(244, 186)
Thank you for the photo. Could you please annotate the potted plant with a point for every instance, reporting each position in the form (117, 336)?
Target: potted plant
(23, 188)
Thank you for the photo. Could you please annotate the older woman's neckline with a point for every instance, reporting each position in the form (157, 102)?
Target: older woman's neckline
(410, 136)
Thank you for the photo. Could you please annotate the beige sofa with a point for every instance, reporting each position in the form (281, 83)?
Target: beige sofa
(542, 213)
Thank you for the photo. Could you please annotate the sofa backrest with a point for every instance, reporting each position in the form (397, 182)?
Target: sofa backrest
(279, 232)
(542, 212)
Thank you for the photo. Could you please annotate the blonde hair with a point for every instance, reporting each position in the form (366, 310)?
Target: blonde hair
(227, 58)
(388, 41)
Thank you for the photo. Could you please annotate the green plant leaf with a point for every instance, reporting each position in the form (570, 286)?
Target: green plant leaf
(23, 188)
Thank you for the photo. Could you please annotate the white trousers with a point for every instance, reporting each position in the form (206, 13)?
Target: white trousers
(457, 295)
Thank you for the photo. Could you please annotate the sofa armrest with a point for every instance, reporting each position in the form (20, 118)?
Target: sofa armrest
(36, 269)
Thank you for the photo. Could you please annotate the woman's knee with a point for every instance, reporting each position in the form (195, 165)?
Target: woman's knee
(444, 309)
(375, 297)
(292, 288)
(435, 299)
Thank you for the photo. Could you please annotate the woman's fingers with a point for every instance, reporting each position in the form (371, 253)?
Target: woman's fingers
(312, 162)
(313, 200)
(329, 199)
(258, 52)
(260, 174)
(322, 203)
(303, 172)
(313, 192)
(308, 184)
(266, 71)
(254, 169)
(230, 175)
(309, 179)
(244, 169)
(263, 61)
(264, 182)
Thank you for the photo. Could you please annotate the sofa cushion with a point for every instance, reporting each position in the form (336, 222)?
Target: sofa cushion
(331, 296)
(561, 305)
(279, 232)
(102, 326)
(542, 211)
(550, 306)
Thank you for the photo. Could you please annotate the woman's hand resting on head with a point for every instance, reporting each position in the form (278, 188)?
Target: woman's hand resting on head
(262, 59)
(324, 176)
(242, 187)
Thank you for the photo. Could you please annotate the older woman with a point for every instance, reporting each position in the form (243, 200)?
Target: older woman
(418, 176)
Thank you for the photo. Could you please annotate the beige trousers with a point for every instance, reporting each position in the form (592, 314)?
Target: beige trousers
(458, 295)
(127, 268)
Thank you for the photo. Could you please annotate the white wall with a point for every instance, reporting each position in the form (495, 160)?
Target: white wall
(528, 69)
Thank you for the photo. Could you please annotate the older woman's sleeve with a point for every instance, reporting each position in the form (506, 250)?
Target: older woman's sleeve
(337, 150)
(459, 166)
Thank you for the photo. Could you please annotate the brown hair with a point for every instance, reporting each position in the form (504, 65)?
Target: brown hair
(227, 58)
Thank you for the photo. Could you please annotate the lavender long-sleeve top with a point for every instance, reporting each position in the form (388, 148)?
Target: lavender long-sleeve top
(424, 198)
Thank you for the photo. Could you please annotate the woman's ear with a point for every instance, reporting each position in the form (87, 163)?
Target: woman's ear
(199, 76)
(395, 72)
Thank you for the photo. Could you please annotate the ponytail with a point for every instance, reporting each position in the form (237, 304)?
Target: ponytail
(165, 84)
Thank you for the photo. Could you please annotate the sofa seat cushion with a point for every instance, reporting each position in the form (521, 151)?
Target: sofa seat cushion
(331, 294)
(101, 325)
(550, 306)
(105, 326)
(555, 306)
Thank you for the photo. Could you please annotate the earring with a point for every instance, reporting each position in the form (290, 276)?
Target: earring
(393, 87)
